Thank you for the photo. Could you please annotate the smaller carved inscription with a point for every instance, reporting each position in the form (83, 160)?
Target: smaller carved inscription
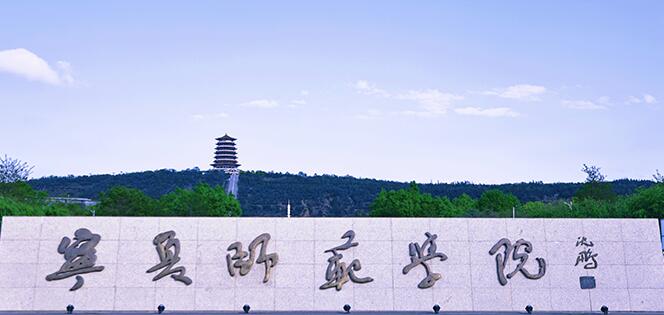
(586, 256)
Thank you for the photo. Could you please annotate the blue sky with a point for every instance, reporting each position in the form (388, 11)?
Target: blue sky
(488, 92)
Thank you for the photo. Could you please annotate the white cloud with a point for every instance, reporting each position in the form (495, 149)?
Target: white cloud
(488, 112)
(209, 116)
(646, 99)
(633, 100)
(582, 104)
(415, 113)
(262, 103)
(432, 101)
(66, 76)
(304, 93)
(368, 88)
(296, 103)
(25, 63)
(649, 99)
(524, 92)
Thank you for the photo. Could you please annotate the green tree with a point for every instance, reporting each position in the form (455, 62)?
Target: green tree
(595, 190)
(494, 202)
(595, 187)
(21, 191)
(583, 208)
(410, 202)
(593, 208)
(19, 199)
(464, 203)
(539, 209)
(396, 203)
(125, 201)
(648, 202)
(12, 207)
(203, 200)
(13, 170)
(386, 204)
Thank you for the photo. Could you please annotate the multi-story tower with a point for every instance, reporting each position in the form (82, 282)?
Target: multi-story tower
(225, 159)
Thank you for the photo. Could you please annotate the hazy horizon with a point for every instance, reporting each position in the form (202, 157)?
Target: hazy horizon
(486, 92)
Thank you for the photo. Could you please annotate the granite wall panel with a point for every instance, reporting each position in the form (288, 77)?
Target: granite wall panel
(628, 268)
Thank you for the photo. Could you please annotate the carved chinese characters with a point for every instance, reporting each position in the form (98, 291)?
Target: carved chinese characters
(245, 264)
(338, 272)
(588, 260)
(586, 257)
(418, 257)
(517, 255)
(80, 257)
(309, 265)
(168, 250)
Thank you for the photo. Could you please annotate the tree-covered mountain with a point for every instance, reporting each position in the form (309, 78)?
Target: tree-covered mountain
(267, 194)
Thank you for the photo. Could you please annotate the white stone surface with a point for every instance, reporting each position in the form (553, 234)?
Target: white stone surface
(539, 298)
(214, 299)
(453, 299)
(129, 299)
(570, 299)
(618, 299)
(629, 276)
(646, 299)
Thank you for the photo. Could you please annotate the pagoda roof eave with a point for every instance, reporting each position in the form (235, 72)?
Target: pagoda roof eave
(226, 137)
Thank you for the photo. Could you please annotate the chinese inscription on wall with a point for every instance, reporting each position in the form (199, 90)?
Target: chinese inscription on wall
(80, 258)
(338, 272)
(419, 257)
(244, 264)
(517, 255)
(168, 250)
(586, 256)
(587, 259)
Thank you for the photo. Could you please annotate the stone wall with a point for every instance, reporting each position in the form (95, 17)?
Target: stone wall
(629, 274)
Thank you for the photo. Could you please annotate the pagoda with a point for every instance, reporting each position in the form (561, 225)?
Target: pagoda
(225, 159)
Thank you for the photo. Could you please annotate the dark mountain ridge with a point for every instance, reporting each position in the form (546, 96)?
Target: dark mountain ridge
(267, 193)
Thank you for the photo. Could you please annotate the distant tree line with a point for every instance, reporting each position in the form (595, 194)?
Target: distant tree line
(196, 192)
(267, 193)
(411, 202)
(20, 199)
(594, 199)
(202, 200)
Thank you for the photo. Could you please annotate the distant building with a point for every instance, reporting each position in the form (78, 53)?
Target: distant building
(225, 156)
(86, 202)
(225, 159)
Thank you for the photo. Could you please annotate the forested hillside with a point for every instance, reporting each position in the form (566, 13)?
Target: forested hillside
(266, 194)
